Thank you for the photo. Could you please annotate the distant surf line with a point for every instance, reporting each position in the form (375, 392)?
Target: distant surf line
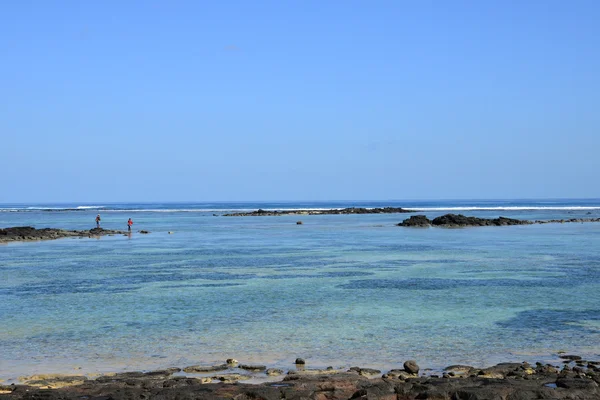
(107, 209)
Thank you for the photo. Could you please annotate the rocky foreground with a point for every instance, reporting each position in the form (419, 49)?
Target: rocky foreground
(29, 233)
(506, 381)
(351, 210)
(459, 221)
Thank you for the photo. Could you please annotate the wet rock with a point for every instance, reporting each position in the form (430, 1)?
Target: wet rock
(312, 372)
(298, 222)
(201, 368)
(399, 374)
(53, 381)
(570, 357)
(365, 371)
(231, 378)
(4, 389)
(300, 361)
(500, 371)
(232, 361)
(411, 367)
(144, 232)
(274, 372)
(249, 367)
(459, 369)
(336, 385)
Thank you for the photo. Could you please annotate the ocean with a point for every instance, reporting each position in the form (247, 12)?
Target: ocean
(338, 290)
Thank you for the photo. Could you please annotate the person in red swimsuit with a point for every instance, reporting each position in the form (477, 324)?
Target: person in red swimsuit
(129, 223)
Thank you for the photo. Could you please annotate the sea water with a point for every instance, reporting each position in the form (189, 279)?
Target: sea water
(338, 290)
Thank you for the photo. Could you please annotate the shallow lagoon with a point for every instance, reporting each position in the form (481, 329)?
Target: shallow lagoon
(338, 290)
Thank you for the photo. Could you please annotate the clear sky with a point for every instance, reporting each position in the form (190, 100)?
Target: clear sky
(298, 100)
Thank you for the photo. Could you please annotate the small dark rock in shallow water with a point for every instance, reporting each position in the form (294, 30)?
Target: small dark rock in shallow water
(300, 361)
(570, 357)
(252, 367)
(299, 223)
(144, 232)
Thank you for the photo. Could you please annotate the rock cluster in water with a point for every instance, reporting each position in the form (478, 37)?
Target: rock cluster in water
(508, 381)
(28, 233)
(351, 210)
(459, 220)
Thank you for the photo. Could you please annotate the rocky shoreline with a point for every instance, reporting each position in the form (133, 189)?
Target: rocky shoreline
(333, 211)
(575, 379)
(460, 221)
(29, 234)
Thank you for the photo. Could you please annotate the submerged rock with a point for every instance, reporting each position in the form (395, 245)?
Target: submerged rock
(252, 367)
(570, 357)
(201, 368)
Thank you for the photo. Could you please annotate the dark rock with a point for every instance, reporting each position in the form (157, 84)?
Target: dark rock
(252, 367)
(570, 357)
(300, 361)
(459, 220)
(144, 232)
(323, 386)
(411, 366)
(581, 384)
(298, 222)
(416, 221)
(29, 233)
(200, 368)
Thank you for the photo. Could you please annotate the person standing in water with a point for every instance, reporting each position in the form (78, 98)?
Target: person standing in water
(129, 223)
(98, 221)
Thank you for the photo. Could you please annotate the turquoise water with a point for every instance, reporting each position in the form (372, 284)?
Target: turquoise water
(338, 290)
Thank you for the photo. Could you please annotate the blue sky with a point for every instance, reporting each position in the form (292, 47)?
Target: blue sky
(298, 100)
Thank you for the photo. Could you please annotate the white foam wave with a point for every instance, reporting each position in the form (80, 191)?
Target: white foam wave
(206, 210)
(106, 209)
(43, 208)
